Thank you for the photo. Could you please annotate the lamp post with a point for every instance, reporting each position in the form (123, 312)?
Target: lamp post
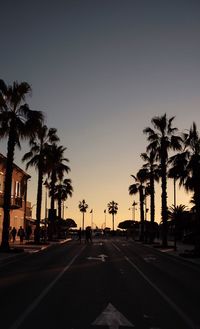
(133, 208)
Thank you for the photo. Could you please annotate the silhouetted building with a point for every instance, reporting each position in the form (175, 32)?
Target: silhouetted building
(19, 210)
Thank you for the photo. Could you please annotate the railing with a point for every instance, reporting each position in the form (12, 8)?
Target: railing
(15, 202)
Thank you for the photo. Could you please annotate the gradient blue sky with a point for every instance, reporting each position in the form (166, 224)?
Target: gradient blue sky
(100, 70)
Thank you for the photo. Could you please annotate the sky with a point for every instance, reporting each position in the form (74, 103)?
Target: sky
(100, 70)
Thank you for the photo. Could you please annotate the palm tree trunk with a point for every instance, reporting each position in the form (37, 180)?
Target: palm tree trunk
(83, 221)
(7, 191)
(39, 203)
(141, 192)
(113, 218)
(59, 206)
(197, 218)
(164, 205)
(152, 202)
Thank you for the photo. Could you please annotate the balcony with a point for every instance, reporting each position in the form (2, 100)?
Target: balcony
(16, 202)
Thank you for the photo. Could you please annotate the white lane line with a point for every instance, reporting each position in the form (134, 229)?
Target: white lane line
(35, 303)
(165, 297)
(116, 247)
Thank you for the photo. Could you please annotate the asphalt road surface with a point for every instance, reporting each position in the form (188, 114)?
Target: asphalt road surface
(112, 283)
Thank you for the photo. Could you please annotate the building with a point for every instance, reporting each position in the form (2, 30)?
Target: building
(20, 211)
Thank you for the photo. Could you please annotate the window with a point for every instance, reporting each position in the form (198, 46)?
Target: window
(17, 189)
(1, 182)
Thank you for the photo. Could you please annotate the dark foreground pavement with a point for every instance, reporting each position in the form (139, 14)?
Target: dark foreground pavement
(108, 284)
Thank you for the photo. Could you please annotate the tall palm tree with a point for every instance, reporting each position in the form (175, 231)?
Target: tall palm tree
(83, 208)
(112, 209)
(153, 174)
(37, 157)
(139, 187)
(163, 138)
(62, 190)
(56, 169)
(17, 122)
(190, 172)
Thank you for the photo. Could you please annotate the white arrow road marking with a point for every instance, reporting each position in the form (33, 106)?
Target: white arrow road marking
(149, 258)
(112, 318)
(100, 257)
(103, 257)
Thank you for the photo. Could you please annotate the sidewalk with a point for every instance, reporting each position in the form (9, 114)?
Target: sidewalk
(18, 250)
(183, 251)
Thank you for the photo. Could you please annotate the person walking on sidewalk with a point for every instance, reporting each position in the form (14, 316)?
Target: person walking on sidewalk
(13, 234)
(21, 234)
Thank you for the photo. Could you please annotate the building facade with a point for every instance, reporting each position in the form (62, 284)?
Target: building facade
(20, 211)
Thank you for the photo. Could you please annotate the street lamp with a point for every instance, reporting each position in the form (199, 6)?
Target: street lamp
(133, 208)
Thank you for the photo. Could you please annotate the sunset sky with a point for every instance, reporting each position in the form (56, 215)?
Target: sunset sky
(100, 70)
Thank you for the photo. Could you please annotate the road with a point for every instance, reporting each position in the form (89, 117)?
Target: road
(112, 283)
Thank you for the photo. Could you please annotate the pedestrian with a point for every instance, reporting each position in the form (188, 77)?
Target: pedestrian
(28, 232)
(88, 235)
(13, 234)
(21, 234)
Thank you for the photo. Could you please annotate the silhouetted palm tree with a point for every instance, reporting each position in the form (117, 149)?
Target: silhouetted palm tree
(177, 170)
(190, 171)
(153, 174)
(17, 122)
(56, 169)
(37, 157)
(63, 190)
(83, 208)
(112, 209)
(162, 139)
(176, 214)
(139, 187)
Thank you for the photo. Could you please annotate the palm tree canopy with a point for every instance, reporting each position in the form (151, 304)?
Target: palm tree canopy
(162, 138)
(150, 165)
(112, 207)
(56, 161)
(15, 114)
(83, 206)
(40, 146)
(63, 189)
(176, 212)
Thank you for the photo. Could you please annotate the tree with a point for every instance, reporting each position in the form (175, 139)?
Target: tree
(139, 187)
(153, 174)
(176, 214)
(177, 170)
(37, 157)
(189, 172)
(62, 190)
(112, 209)
(17, 122)
(83, 208)
(56, 169)
(162, 139)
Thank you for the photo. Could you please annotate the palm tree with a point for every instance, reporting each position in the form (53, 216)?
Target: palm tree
(112, 209)
(177, 171)
(139, 187)
(56, 169)
(190, 172)
(62, 190)
(176, 214)
(17, 122)
(163, 138)
(83, 208)
(37, 157)
(153, 174)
